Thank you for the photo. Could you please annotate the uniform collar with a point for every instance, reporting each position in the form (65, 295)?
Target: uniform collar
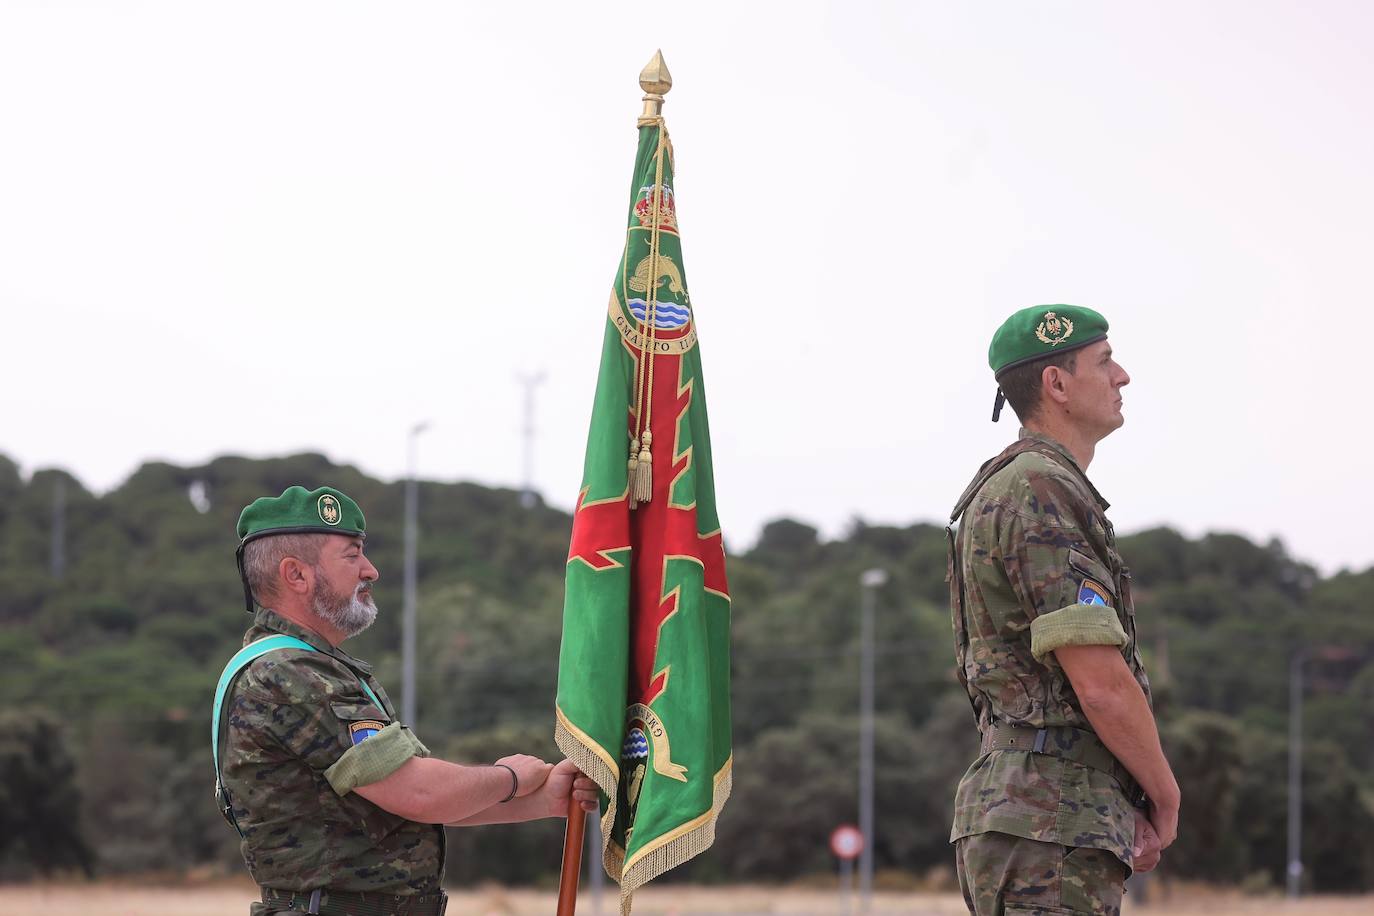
(1068, 457)
(1050, 441)
(269, 619)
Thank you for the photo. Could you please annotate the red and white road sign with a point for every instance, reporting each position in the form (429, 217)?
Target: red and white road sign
(846, 841)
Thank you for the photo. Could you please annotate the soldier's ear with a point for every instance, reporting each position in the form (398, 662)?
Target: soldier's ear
(296, 576)
(1053, 385)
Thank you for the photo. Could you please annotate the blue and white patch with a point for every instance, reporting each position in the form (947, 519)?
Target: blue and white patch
(361, 731)
(1089, 592)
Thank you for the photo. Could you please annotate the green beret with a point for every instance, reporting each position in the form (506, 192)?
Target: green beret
(298, 511)
(1043, 330)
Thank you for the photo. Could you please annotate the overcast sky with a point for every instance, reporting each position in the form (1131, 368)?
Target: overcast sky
(262, 228)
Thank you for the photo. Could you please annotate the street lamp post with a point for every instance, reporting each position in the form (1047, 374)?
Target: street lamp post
(412, 533)
(1295, 697)
(1295, 773)
(869, 582)
(596, 871)
(529, 382)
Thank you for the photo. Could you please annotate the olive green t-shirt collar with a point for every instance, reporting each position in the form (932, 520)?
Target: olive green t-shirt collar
(269, 619)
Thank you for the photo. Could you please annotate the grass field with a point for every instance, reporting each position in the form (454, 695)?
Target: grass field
(232, 899)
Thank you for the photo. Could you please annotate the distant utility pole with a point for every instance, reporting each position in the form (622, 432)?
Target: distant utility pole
(412, 534)
(58, 555)
(869, 583)
(530, 381)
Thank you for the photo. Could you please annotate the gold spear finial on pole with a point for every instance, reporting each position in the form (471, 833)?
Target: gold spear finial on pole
(655, 80)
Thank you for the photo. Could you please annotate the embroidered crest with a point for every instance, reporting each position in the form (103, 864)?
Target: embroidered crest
(1054, 330)
(634, 764)
(330, 510)
(1089, 592)
(667, 270)
(667, 209)
(361, 731)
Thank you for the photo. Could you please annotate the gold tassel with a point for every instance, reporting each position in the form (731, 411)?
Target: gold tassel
(632, 472)
(644, 476)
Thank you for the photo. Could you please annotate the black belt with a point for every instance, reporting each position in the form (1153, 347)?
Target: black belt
(1074, 744)
(358, 903)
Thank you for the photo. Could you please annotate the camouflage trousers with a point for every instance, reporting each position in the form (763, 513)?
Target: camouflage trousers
(1002, 874)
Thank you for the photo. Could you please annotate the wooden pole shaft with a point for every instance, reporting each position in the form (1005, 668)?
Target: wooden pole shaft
(572, 858)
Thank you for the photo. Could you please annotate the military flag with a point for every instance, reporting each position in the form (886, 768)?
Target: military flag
(644, 671)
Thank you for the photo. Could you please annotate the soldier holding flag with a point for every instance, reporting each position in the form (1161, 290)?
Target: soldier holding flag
(340, 807)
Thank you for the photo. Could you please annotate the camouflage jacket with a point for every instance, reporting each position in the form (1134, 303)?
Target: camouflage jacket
(1034, 567)
(299, 734)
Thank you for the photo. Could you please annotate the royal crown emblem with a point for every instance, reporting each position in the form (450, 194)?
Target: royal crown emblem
(667, 209)
(1054, 330)
(330, 511)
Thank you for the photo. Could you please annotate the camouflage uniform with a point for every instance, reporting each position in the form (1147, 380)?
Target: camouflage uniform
(1033, 568)
(299, 735)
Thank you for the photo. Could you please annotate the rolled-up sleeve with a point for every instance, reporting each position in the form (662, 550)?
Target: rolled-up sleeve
(374, 759)
(1076, 625)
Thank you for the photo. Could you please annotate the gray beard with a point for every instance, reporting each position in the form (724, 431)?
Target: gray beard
(350, 614)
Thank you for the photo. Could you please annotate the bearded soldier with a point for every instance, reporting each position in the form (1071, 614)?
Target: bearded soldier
(1071, 790)
(340, 807)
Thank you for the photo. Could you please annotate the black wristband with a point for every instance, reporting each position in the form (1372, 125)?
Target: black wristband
(514, 782)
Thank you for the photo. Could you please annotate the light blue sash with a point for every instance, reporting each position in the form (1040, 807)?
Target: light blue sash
(236, 664)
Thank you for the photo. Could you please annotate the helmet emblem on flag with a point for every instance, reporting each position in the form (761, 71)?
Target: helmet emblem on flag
(639, 280)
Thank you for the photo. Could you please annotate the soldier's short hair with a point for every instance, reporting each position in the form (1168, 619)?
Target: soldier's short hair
(263, 556)
(1021, 384)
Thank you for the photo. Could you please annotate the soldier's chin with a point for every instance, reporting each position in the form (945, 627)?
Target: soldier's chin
(363, 614)
(354, 617)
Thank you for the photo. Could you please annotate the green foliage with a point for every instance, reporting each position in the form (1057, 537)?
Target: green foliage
(125, 647)
(39, 801)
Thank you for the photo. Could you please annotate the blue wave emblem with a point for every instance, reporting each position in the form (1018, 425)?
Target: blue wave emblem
(667, 315)
(636, 745)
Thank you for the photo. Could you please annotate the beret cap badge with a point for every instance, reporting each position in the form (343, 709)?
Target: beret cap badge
(330, 512)
(1054, 330)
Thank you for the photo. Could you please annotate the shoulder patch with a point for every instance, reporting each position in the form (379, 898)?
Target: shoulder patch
(361, 731)
(1089, 592)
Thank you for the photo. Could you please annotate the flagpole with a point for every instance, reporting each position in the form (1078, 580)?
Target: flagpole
(572, 857)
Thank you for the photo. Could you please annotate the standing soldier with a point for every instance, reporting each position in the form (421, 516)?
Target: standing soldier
(1071, 790)
(340, 807)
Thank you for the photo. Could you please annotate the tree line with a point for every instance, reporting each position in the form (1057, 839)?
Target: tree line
(108, 661)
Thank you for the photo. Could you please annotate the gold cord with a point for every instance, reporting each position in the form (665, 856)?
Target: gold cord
(641, 478)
